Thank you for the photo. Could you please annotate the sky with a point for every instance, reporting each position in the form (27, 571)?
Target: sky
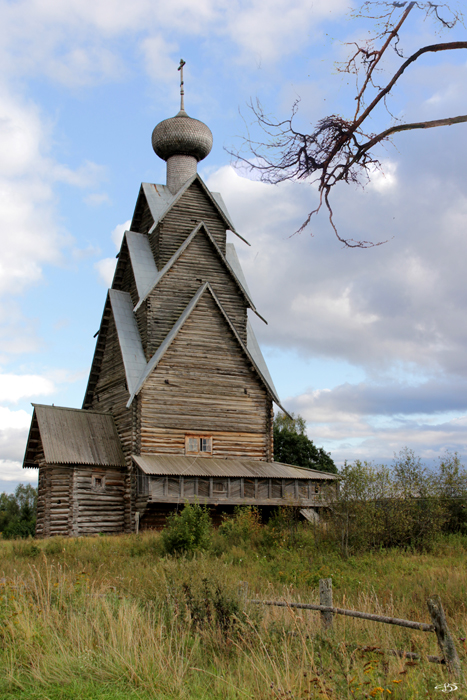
(369, 346)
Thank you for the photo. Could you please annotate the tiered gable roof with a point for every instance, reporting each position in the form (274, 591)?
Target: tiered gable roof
(147, 277)
(158, 201)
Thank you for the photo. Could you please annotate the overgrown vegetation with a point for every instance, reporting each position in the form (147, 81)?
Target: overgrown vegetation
(187, 531)
(166, 615)
(405, 505)
(115, 617)
(18, 512)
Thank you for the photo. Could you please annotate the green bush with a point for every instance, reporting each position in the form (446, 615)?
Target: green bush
(188, 531)
(243, 526)
(18, 512)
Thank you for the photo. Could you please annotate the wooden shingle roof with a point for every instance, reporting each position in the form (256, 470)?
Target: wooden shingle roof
(74, 436)
(178, 465)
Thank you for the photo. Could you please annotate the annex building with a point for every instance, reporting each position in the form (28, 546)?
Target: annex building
(179, 402)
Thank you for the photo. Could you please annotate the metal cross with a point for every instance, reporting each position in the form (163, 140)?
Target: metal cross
(182, 91)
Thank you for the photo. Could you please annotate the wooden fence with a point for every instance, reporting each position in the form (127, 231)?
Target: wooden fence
(438, 622)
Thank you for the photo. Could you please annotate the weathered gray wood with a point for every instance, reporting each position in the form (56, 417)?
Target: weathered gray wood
(445, 640)
(422, 626)
(325, 599)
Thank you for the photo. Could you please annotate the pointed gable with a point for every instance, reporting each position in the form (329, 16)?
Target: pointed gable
(203, 377)
(73, 436)
(213, 320)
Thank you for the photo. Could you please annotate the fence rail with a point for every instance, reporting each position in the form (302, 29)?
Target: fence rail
(422, 626)
(438, 621)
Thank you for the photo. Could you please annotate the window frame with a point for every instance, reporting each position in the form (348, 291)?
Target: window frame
(200, 444)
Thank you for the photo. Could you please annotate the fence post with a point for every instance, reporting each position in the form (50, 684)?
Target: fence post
(243, 592)
(325, 598)
(445, 640)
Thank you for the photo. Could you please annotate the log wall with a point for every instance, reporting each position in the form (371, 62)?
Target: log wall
(53, 500)
(111, 395)
(198, 263)
(205, 383)
(142, 218)
(192, 207)
(97, 508)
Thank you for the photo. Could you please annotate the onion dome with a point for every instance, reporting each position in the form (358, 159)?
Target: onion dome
(182, 136)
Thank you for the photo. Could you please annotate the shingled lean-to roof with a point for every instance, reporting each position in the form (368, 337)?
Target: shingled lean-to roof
(178, 465)
(74, 436)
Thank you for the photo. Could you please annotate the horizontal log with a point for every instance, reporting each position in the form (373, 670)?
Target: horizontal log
(422, 626)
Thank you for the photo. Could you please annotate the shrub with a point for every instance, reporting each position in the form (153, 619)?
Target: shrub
(243, 526)
(187, 531)
(18, 512)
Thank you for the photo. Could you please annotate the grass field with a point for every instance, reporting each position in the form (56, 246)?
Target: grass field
(113, 618)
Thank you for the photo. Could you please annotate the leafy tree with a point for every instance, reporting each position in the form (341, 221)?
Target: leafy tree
(380, 506)
(18, 512)
(451, 486)
(293, 446)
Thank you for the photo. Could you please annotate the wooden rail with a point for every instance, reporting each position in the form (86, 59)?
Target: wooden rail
(438, 621)
(422, 626)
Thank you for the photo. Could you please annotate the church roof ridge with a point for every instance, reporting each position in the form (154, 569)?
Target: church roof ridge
(160, 274)
(129, 339)
(142, 261)
(160, 201)
(170, 337)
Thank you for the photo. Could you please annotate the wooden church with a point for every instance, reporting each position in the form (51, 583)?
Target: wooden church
(179, 402)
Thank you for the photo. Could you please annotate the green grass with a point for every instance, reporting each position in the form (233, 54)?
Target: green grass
(113, 618)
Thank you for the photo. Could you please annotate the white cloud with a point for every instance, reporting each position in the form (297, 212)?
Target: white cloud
(106, 269)
(14, 428)
(160, 66)
(29, 230)
(14, 387)
(269, 30)
(11, 471)
(117, 233)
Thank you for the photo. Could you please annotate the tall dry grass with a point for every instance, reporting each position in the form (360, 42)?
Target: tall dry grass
(112, 613)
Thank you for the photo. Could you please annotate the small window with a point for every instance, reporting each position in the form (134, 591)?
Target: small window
(98, 482)
(192, 445)
(142, 484)
(205, 444)
(198, 445)
(219, 487)
(316, 488)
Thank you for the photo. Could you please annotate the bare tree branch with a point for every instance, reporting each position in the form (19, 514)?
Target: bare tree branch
(339, 150)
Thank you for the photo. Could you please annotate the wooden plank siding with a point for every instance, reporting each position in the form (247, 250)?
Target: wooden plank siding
(198, 263)
(142, 217)
(192, 207)
(111, 395)
(97, 509)
(224, 444)
(124, 279)
(206, 383)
